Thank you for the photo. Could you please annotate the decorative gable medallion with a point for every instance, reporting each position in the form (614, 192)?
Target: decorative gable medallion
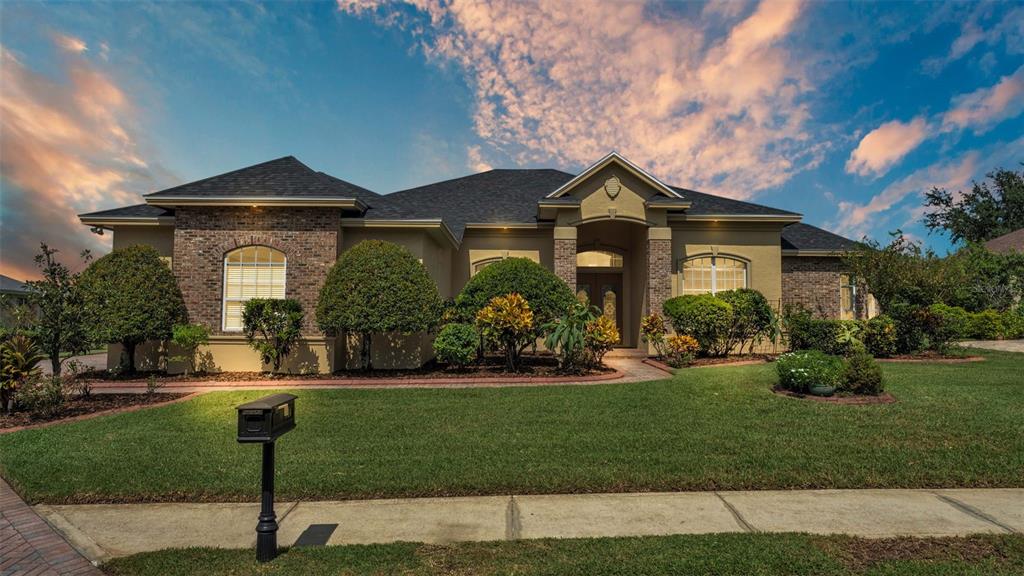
(612, 186)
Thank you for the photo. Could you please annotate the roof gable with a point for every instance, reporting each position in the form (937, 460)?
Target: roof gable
(613, 158)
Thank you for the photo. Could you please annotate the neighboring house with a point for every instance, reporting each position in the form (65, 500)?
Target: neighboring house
(613, 232)
(12, 294)
(1012, 242)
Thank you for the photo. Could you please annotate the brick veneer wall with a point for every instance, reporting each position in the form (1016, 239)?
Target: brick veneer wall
(202, 235)
(813, 282)
(659, 273)
(565, 261)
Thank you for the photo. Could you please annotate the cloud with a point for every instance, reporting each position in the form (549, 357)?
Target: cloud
(475, 159)
(857, 219)
(978, 29)
(66, 147)
(986, 107)
(567, 82)
(70, 43)
(886, 145)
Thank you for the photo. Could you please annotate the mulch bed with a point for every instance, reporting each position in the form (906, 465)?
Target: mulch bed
(541, 367)
(883, 398)
(741, 360)
(81, 406)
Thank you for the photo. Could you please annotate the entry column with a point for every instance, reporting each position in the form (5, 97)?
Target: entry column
(659, 268)
(565, 255)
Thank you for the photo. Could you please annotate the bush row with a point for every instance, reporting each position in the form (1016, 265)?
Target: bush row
(722, 323)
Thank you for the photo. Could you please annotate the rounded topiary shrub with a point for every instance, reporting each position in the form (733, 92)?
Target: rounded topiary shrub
(751, 316)
(799, 371)
(862, 375)
(548, 296)
(456, 344)
(702, 316)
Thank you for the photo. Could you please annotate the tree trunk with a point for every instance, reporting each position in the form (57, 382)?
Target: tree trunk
(55, 364)
(368, 351)
(129, 349)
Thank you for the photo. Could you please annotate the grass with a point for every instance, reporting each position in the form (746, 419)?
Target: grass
(954, 425)
(718, 554)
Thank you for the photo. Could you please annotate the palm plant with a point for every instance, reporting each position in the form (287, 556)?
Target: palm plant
(19, 362)
(566, 336)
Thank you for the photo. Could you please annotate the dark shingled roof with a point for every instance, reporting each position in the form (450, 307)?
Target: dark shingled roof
(9, 285)
(495, 196)
(802, 236)
(711, 204)
(276, 178)
(134, 211)
(1014, 241)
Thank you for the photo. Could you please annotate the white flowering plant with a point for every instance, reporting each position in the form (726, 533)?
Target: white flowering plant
(799, 371)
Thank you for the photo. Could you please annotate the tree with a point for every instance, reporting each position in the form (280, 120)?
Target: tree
(57, 303)
(132, 297)
(272, 327)
(981, 214)
(377, 287)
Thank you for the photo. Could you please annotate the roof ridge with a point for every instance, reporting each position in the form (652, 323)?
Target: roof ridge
(250, 167)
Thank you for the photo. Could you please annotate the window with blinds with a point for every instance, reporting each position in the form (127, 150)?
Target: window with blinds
(847, 297)
(713, 274)
(251, 272)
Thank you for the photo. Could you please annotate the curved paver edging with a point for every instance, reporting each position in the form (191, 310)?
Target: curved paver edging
(122, 410)
(366, 382)
(883, 398)
(659, 365)
(964, 360)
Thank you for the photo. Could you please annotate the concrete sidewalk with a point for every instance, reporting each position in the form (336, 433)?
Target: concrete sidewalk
(105, 531)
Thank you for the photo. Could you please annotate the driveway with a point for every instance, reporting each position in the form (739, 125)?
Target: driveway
(1004, 345)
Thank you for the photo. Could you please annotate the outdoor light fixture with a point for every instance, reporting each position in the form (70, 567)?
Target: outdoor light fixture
(263, 421)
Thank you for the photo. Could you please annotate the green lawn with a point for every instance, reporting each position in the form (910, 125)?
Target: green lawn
(707, 428)
(719, 554)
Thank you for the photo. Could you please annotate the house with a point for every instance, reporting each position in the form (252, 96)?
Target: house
(613, 232)
(13, 293)
(1012, 242)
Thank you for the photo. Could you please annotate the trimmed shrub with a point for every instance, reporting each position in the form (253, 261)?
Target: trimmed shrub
(879, 336)
(132, 297)
(704, 317)
(548, 296)
(680, 350)
(805, 332)
(377, 287)
(985, 325)
(600, 336)
(272, 327)
(456, 344)
(751, 317)
(652, 330)
(862, 375)
(798, 371)
(507, 322)
(189, 337)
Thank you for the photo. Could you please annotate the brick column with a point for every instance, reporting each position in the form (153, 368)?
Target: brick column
(659, 268)
(565, 255)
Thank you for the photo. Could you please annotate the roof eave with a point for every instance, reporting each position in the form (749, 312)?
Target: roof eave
(788, 218)
(108, 221)
(816, 252)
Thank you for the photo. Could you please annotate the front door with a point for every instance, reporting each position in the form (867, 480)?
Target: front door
(604, 290)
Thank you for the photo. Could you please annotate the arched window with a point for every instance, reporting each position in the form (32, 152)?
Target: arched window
(481, 264)
(251, 272)
(713, 274)
(598, 259)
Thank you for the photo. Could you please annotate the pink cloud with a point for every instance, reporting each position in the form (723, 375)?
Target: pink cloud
(70, 43)
(66, 147)
(985, 107)
(857, 219)
(886, 145)
(568, 81)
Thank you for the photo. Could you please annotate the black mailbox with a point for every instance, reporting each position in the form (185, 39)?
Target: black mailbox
(266, 419)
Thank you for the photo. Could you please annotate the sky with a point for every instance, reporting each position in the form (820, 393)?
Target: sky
(844, 112)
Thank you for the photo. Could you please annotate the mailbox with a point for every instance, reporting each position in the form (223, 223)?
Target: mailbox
(266, 419)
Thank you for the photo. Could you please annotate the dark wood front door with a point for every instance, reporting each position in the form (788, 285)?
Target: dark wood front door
(604, 290)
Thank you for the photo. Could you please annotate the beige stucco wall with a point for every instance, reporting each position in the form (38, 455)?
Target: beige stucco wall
(757, 243)
(596, 204)
(159, 237)
(230, 354)
(481, 244)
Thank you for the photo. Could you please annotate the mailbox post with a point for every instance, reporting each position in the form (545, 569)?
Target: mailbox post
(263, 421)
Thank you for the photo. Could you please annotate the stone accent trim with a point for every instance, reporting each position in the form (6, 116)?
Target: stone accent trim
(565, 261)
(202, 235)
(659, 268)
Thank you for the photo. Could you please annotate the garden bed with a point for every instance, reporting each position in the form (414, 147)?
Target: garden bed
(853, 400)
(738, 360)
(493, 367)
(83, 406)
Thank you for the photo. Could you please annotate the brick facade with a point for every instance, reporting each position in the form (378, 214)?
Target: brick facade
(659, 273)
(565, 261)
(202, 235)
(813, 282)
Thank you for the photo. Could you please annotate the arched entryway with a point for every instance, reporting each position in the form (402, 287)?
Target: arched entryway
(610, 272)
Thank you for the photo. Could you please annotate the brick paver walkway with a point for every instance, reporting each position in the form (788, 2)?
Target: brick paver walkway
(29, 546)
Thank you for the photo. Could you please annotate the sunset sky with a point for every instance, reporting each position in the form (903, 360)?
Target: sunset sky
(845, 113)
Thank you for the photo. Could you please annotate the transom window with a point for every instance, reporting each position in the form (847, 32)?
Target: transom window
(598, 259)
(713, 274)
(251, 272)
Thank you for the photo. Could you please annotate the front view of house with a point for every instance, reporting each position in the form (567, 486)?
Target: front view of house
(614, 232)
